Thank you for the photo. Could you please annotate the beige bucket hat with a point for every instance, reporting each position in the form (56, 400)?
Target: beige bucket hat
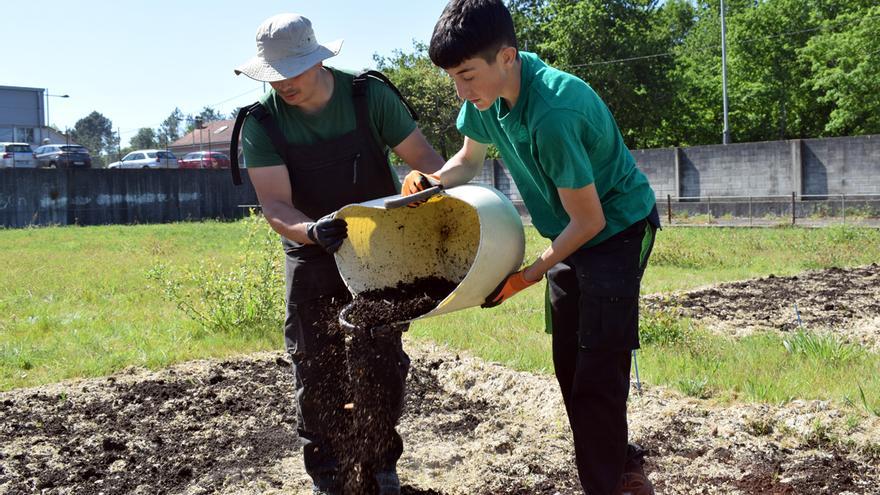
(286, 47)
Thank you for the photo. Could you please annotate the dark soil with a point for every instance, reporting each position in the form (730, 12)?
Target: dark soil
(229, 426)
(836, 299)
(114, 436)
(201, 427)
(404, 302)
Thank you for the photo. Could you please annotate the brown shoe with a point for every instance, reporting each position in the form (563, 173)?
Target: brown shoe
(634, 481)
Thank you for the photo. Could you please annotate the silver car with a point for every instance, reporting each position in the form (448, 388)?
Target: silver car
(147, 159)
(17, 155)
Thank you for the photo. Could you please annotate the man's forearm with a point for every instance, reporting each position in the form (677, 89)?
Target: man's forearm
(287, 221)
(457, 171)
(570, 240)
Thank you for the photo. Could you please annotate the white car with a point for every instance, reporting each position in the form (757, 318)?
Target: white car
(17, 155)
(147, 159)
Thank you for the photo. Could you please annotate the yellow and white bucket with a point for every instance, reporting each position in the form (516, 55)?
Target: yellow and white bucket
(470, 233)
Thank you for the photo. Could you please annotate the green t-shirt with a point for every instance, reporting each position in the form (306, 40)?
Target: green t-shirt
(390, 122)
(560, 134)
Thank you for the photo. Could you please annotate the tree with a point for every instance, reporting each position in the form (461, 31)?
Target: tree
(844, 61)
(621, 48)
(169, 130)
(207, 114)
(144, 139)
(95, 132)
(429, 91)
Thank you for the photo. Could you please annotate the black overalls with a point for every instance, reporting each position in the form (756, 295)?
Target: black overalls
(324, 177)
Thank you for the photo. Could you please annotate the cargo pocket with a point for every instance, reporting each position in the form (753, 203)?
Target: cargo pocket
(608, 317)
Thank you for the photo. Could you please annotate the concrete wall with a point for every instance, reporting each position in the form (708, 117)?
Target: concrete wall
(660, 165)
(94, 197)
(811, 167)
(849, 165)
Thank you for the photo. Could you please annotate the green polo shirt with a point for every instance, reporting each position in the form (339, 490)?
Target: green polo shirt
(560, 134)
(390, 122)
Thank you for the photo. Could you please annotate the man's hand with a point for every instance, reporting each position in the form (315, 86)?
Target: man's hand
(328, 232)
(514, 283)
(416, 181)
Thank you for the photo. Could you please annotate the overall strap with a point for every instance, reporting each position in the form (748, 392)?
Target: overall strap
(360, 90)
(264, 118)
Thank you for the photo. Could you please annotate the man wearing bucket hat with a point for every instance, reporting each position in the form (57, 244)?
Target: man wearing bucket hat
(584, 192)
(318, 141)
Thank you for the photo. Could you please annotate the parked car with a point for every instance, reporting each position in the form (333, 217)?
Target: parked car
(63, 156)
(147, 159)
(17, 155)
(204, 159)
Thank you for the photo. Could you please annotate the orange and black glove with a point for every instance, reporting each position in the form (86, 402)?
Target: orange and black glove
(514, 283)
(416, 181)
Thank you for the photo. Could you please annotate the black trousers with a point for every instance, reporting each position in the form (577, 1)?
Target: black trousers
(316, 344)
(594, 308)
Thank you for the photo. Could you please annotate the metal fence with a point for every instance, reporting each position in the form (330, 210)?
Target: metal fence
(804, 210)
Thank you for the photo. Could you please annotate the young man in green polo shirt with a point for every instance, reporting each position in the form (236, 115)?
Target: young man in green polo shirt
(584, 192)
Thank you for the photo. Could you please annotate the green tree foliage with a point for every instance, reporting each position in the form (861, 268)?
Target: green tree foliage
(619, 47)
(95, 132)
(207, 114)
(845, 61)
(169, 130)
(430, 92)
(767, 100)
(144, 139)
(796, 68)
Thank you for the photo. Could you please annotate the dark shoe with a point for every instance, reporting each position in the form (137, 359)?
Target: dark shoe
(326, 486)
(321, 491)
(388, 483)
(634, 481)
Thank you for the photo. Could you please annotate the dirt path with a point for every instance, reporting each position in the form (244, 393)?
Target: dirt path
(470, 428)
(843, 301)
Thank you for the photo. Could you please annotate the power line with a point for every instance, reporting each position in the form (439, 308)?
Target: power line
(234, 97)
(136, 129)
(710, 47)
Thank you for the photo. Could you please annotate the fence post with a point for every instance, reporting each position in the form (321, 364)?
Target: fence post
(750, 211)
(669, 209)
(792, 209)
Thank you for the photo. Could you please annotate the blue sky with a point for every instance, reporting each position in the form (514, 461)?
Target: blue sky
(134, 61)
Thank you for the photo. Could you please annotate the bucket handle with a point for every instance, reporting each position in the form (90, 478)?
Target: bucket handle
(377, 331)
(391, 204)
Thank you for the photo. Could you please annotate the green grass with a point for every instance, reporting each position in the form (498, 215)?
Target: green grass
(77, 302)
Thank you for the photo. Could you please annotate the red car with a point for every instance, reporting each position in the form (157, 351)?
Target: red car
(204, 159)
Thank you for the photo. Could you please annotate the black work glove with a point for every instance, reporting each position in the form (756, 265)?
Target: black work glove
(328, 232)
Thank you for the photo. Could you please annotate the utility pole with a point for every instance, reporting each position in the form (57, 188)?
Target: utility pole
(726, 132)
(199, 126)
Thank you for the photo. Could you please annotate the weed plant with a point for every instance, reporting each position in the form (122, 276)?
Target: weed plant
(245, 298)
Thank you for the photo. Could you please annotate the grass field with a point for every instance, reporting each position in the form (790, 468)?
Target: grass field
(78, 301)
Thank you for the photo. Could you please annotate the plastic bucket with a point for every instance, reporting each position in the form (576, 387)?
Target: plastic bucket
(470, 233)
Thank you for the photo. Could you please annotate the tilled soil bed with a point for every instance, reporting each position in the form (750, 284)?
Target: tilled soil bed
(470, 427)
(845, 301)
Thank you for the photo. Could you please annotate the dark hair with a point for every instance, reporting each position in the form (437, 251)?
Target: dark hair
(471, 28)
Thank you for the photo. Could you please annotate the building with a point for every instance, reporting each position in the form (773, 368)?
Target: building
(22, 114)
(213, 136)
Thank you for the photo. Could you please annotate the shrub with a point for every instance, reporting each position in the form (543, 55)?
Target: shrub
(245, 299)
